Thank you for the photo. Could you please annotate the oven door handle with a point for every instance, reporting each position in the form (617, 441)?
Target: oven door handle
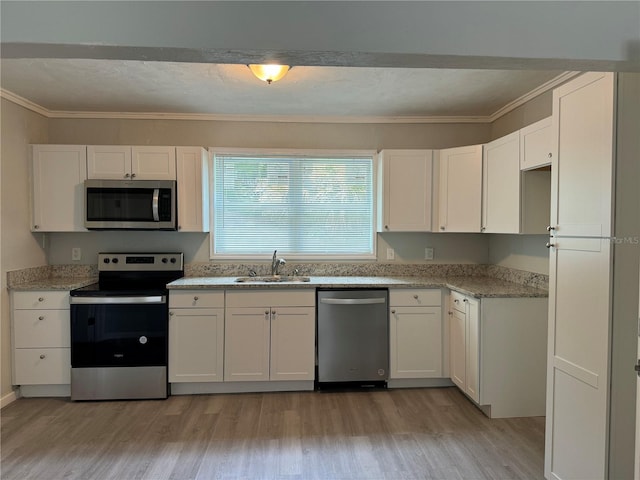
(155, 204)
(157, 299)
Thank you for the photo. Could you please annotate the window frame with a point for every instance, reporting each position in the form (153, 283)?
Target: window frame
(311, 153)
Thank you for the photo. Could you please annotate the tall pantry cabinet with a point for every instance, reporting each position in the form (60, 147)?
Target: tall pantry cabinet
(580, 434)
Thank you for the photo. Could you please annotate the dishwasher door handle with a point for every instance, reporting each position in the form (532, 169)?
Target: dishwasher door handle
(353, 301)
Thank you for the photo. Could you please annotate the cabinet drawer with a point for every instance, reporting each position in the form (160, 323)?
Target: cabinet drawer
(42, 366)
(458, 301)
(415, 297)
(196, 299)
(270, 298)
(41, 328)
(41, 299)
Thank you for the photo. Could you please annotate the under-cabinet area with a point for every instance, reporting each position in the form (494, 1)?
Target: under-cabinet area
(258, 339)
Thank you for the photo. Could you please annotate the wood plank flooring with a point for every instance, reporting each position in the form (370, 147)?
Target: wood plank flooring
(385, 434)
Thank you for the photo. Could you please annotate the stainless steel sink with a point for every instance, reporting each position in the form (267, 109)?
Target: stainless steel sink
(273, 278)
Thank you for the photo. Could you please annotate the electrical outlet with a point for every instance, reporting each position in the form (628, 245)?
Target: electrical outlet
(391, 255)
(76, 254)
(428, 253)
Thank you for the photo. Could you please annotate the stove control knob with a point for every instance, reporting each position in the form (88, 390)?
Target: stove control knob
(106, 260)
(114, 260)
(173, 260)
(164, 260)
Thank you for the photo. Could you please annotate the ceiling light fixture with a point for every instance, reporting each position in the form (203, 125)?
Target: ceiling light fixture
(269, 73)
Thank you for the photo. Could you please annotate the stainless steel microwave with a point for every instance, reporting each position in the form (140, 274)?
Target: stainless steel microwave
(130, 204)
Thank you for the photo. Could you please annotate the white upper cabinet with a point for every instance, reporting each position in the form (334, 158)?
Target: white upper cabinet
(116, 162)
(501, 185)
(535, 145)
(404, 194)
(583, 123)
(193, 189)
(460, 195)
(59, 172)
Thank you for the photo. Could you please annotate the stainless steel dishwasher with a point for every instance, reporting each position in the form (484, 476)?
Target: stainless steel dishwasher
(353, 336)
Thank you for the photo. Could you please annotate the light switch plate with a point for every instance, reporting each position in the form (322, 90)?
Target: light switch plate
(428, 253)
(391, 255)
(76, 254)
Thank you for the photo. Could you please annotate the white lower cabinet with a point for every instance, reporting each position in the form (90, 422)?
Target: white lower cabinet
(497, 353)
(196, 336)
(415, 333)
(41, 338)
(269, 335)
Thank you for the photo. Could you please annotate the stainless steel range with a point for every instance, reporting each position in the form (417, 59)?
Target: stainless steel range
(119, 328)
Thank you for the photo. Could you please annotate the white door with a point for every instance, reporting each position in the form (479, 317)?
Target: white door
(578, 358)
(582, 152)
(501, 185)
(108, 162)
(196, 344)
(153, 163)
(460, 189)
(246, 344)
(293, 335)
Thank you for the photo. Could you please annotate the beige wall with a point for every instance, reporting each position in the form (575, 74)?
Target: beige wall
(19, 248)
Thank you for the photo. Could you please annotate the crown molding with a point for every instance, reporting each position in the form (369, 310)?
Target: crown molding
(28, 104)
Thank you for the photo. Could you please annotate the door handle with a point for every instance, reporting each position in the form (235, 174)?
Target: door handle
(637, 367)
(352, 301)
(154, 204)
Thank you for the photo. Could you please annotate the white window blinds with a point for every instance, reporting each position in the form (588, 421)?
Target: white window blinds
(298, 205)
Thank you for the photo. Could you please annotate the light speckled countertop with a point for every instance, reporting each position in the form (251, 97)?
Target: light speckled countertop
(479, 286)
(54, 283)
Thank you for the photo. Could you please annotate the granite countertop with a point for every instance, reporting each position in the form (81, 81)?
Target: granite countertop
(477, 286)
(54, 283)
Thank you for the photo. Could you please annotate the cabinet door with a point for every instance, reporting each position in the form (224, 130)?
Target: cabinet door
(501, 185)
(292, 343)
(247, 344)
(108, 162)
(457, 347)
(193, 190)
(535, 145)
(59, 172)
(406, 190)
(196, 344)
(460, 189)
(416, 342)
(153, 163)
(582, 149)
(472, 357)
(578, 358)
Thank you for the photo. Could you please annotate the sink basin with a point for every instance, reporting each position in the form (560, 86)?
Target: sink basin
(274, 278)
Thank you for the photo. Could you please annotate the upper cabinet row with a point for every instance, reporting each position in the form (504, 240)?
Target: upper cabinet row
(59, 172)
(500, 187)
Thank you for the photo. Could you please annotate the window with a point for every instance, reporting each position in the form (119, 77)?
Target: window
(309, 205)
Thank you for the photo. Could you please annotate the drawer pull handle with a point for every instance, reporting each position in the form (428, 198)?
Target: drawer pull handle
(266, 312)
(465, 300)
(42, 356)
(273, 312)
(41, 299)
(40, 317)
(456, 301)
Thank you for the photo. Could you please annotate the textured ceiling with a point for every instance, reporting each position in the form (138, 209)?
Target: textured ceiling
(83, 85)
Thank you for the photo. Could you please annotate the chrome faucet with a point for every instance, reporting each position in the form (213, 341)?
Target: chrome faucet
(275, 263)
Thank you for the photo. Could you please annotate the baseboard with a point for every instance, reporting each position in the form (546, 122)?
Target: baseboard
(9, 398)
(241, 387)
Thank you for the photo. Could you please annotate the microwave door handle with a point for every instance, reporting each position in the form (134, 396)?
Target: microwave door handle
(154, 204)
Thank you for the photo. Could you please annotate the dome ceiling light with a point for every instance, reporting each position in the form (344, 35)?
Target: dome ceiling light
(269, 73)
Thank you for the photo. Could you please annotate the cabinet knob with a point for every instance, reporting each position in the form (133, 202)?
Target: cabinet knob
(273, 312)
(42, 356)
(386, 227)
(40, 318)
(40, 299)
(549, 245)
(450, 313)
(393, 311)
(36, 227)
(179, 227)
(549, 155)
(550, 228)
(195, 298)
(456, 301)
(465, 300)
(483, 229)
(266, 312)
(442, 228)
(171, 314)
(126, 175)
(415, 296)
(133, 175)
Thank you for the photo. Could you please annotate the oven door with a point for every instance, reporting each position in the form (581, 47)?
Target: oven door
(119, 331)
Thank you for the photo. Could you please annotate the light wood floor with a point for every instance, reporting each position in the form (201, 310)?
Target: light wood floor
(391, 434)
